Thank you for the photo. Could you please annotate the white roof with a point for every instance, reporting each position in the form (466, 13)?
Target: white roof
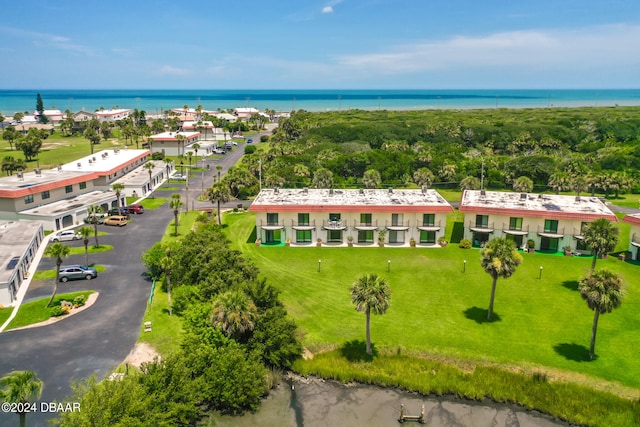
(104, 160)
(112, 112)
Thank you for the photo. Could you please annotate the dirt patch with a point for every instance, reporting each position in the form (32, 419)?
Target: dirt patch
(141, 353)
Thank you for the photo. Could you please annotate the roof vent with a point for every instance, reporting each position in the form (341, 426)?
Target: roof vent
(424, 189)
(361, 191)
(523, 196)
(20, 175)
(90, 161)
(331, 191)
(390, 190)
(483, 193)
(59, 168)
(305, 190)
(79, 165)
(38, 171)
(577, 198)
(93, 158)
(275, 189)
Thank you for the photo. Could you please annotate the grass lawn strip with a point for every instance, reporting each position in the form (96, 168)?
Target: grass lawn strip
(51, 274)
(34, 312)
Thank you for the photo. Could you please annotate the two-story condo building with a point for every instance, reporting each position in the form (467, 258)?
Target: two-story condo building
(173, 143)
(634, 235)
(337, 217)
(19, 242)
(551, 221)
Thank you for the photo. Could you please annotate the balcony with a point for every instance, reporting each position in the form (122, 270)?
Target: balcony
(480, 228)
(522, 231)
(271, 225)
(397, 225)
(365, 226)
(434, 226)
(553, 233)
(336, 224)
(307, 225)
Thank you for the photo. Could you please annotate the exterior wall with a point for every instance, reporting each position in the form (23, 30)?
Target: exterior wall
(350, 221)
(534, 226)
(55, 195)
(634, 237)
(9, 288)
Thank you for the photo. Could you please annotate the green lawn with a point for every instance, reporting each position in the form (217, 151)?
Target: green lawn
(166, 330)
(36, 311)
(92, 249)
(152, 203)
(185, 224)
(440, 310)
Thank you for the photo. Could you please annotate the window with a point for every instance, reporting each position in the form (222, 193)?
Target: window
(550, 225)
(334, 217)
(482, 221)
(68, 189)
(303, 236)
(334, 235)
(428, 220)
(365, 236)
(272, 219)
(28, 199)
(396, 236)
(365, 219)
(45, 195)
(427, 237)
(83, 185)
(515, 224)
(303, 219)
(396, 220)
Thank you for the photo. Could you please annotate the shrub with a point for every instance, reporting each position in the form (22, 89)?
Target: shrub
(157, 156)
(79, 301)
(264, 138)
(249, 149)
(465, 244)
(58, 311)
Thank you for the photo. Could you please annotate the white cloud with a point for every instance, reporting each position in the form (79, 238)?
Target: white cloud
(169, 70)
(45, 40)
(327, 9)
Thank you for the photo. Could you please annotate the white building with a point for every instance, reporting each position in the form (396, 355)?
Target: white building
(634, 235)
(19, 242)
(551, 221)
(339, 217)
(173, 143)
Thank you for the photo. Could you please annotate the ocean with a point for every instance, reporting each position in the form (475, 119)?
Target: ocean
(155, 101)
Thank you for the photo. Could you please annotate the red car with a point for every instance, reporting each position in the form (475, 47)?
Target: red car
(135, 209)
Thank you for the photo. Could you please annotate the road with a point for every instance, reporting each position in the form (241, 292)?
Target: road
(96, 340)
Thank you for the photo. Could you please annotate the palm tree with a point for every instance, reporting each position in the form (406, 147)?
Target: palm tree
(234, 313)
(59, 251)
(21, 387)
(470, 183)
(499, 259)
(175, 204)
(221, 194)
(370, 293)
(559, 181)
(601, 236)
(118, 188)
(149, 167)
(85, 232)
(523, 184)
(602, 290)
(166, 265)
(372, 179)
(196, 147)
(95, 210)
(323, 178)
(423, 177)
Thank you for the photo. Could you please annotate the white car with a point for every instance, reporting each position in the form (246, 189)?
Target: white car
(179, 177)
(64, 236)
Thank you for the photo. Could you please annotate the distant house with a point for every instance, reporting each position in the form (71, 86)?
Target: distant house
(634, 235)
(340, 216)
(54, 116)
(551, 221)
(84, 116)
(207, 128)
(171, 144)
(245, 112)
(112, 115)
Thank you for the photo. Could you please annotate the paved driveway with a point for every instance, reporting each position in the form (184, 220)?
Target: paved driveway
(100, 338)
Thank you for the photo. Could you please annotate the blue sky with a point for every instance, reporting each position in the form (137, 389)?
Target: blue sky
(320, 44)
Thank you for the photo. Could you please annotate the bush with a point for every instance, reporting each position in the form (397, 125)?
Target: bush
(465, 244)
(157, 156)
(58, 311)
(79, 301)
(264, 138)
(250, 149)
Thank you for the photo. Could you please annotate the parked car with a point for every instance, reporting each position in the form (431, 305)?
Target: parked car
(179, 177)
(73, 272)
(95, 218)
(65, 236)
(118, 220)
(249, 141)
(122, 212)
(219, 151)
(135, 209)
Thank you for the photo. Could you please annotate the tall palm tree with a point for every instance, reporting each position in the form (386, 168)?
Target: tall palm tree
(95, 210)
(523, 184)
(602, 290)
(323, 178)
(175, 204)
(499, 259)
(470, 183)
(149, 167)
(371, 179)
(118, 189)
(220, 193)
(59, 251)
(601, 236)
(370, 293)
(21, 387)
(423, 177)
(196, 147)
(235, 314)
(85, 232)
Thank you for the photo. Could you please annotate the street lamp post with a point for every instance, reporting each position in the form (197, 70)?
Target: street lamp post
(540, 276)
(260, 172)
(319, 263)
(464, 266)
